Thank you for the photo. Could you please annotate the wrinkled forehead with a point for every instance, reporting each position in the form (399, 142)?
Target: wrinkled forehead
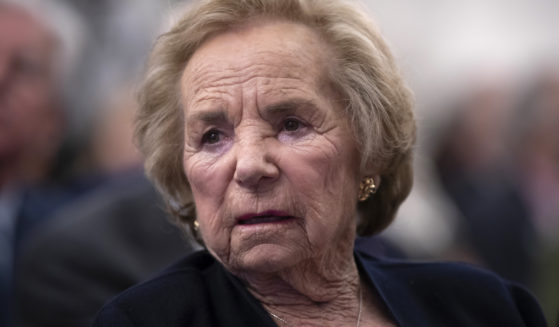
(260, 49)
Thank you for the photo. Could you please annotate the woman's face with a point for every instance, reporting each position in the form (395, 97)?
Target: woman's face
(268, 152)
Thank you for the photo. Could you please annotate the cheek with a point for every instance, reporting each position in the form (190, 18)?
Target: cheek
(325, 178)
(327, 169)
(208, 180)
(206, 175)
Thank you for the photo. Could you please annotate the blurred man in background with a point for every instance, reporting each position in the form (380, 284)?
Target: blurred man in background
(32, 118)
(76, 252)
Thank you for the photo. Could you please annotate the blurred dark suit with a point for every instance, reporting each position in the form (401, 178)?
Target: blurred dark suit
(92, 250)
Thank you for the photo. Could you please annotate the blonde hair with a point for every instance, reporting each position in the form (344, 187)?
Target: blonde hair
(377, 103)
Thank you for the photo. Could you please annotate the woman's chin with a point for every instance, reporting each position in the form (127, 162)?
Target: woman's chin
(266, 258)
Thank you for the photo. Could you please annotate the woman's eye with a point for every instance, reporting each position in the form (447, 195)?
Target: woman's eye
(291, 125)
(211, 137)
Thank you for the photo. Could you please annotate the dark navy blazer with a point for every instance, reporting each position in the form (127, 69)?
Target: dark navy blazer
(198, 291)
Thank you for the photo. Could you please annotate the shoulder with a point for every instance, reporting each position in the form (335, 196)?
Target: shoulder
(166, 299)
(197, 291)
(435, 275)
(451, 292)
(430, 274)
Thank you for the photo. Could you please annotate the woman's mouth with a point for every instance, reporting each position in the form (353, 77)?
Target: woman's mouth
(264, 218)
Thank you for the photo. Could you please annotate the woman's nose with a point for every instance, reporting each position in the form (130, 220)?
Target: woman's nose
(255, 167)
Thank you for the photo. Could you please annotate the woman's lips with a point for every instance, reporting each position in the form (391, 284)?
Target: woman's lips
(266, 217)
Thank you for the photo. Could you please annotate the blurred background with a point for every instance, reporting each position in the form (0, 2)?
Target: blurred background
(79, 222)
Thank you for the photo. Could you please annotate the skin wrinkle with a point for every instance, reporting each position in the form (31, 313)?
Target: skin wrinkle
(213, 91)
(215, 80)
(314, 119)
(303, 268)
(228, 76)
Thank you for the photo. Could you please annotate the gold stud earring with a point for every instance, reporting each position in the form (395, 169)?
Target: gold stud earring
(366, 188)
(196, 225)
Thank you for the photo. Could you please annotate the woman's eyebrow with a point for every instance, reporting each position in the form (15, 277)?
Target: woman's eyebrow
(279, 109)
(289, 107)
(208, 117)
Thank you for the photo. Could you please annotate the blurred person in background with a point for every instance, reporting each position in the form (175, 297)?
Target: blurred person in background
(31, 116)
(534, 138)
(498, 159)
(115, 235)
(535, 153)
(471, 164)
(101, 243)
(36, 55)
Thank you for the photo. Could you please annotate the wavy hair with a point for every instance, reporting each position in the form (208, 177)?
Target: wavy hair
(377, 103)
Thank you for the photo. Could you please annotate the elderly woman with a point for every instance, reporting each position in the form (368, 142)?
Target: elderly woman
(277, 130)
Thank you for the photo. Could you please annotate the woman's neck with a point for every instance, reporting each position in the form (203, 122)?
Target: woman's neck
(324, 287)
